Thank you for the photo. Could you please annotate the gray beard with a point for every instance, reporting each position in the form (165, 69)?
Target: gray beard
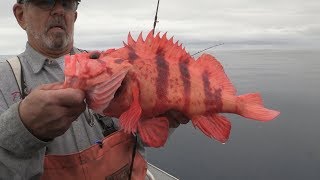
(55, 42)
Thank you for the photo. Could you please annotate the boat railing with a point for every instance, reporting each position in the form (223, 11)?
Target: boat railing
(155, 173)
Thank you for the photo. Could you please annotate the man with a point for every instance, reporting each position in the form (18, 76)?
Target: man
(40, 129)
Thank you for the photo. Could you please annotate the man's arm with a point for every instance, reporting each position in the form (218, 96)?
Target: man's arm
(26, 126)
(21, 154)
(49, 110)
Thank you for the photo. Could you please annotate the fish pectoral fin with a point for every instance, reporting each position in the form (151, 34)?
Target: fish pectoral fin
(130, 118)
(154, 131)
(214, 126)
(100, 95)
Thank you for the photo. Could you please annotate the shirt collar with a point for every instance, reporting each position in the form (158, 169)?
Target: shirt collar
(36, 60)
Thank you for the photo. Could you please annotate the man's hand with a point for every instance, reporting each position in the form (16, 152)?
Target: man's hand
(48, 111)
(176, 118)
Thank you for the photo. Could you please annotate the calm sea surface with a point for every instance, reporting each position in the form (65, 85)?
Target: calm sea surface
(287, 148)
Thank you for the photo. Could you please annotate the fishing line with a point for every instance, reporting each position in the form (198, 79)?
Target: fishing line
(207, 48)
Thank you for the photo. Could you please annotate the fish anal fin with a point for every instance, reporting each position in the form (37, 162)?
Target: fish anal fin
(215, 72)
(154, 131)
(130, 118)
(214, 126)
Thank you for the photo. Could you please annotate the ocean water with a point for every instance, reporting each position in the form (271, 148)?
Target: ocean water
(287, 148)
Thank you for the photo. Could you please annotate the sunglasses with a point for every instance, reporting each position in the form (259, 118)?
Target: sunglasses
(49, 4)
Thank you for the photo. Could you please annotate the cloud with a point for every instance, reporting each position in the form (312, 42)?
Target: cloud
(103, 24)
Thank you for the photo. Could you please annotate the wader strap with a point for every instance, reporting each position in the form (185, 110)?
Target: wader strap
(15, 65)
(133, 155)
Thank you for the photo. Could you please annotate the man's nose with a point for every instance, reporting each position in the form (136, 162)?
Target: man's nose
(58, 8)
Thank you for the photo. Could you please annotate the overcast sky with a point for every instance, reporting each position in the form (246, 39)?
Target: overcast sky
(197, 24)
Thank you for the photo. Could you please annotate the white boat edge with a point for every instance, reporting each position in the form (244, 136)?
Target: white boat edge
(155, 173)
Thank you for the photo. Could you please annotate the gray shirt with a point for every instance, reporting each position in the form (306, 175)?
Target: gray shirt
(22, 154)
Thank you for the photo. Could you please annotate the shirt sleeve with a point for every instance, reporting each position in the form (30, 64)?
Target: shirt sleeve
(21, 153)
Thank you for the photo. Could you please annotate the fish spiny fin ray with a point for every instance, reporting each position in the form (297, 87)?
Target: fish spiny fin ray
(155, 45)
(130, 40)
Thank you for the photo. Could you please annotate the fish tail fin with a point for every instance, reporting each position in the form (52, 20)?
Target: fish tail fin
(214, 126)
(251, 106)
(154, 132)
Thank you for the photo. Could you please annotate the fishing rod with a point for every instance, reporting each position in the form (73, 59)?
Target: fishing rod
(207, 48)
(155, 19)
(155, 24)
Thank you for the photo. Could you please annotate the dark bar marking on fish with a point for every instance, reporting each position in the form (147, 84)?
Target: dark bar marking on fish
(132, 55)
(163, 77)
(160, 51)
(212, 100)
(185, 77)
(218, 100)
(118, 61)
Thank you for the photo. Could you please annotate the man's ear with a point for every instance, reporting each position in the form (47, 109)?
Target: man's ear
(75, 16)
(18, 12)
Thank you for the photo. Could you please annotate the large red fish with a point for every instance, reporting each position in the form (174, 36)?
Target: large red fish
(146, 78)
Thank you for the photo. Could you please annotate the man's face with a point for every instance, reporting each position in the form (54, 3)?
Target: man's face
(50, 29)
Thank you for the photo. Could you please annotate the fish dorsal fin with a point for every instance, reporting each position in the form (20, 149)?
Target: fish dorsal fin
(215, 72)
(158, 45)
